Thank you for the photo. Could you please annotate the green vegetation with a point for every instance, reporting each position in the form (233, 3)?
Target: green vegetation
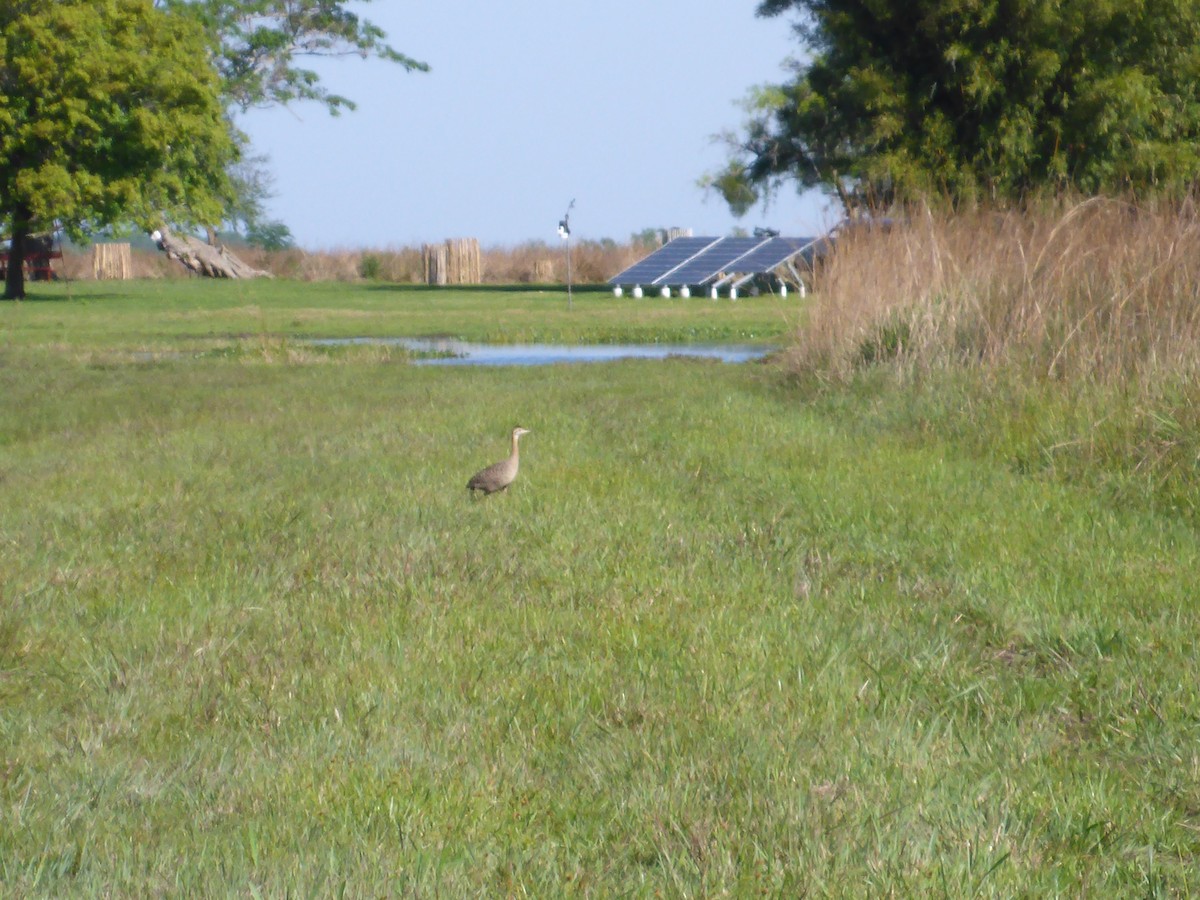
(107, 114)
(166, 317)
(257, 45)
(119, 111)
(977, 102)
(258, 42)
(724, 635)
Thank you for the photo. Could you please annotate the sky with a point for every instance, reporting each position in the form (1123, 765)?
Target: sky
(529, 105)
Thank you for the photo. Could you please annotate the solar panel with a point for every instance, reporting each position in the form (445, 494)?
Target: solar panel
(707, 265)
(658, 264)
(772, 254)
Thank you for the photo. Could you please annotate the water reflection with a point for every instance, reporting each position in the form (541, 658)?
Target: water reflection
(463, 353)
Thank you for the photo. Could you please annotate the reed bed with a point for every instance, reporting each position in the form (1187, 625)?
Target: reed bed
(1064, 339)
(535, 262)
(1102, 291)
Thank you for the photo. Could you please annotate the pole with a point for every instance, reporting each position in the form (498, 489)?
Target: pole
(564, 231)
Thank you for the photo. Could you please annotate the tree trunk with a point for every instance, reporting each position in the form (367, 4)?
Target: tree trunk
(14, 280)
(212, 262)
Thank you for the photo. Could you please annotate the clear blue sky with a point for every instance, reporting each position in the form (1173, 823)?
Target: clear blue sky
(529, 104)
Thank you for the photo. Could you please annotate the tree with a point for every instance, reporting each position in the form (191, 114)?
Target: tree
(257, 44)
(109, 111)
(974, 99)
(259, 41)
(246, 214)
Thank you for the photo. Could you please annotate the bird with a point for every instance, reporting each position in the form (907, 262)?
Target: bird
(498, 476)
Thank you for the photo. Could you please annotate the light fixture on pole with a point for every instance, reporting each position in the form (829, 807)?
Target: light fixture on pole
(564, 232)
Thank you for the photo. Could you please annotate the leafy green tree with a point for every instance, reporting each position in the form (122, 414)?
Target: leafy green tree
(976, 99)
(270, 235)
(259, 42)
(647, 237)
(109, 111)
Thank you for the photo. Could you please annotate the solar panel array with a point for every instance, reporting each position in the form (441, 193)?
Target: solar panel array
(667, 258)
(695, 261)
(713, 261)
(772, 254)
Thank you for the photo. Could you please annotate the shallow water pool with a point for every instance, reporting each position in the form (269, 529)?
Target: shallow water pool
(464, 353)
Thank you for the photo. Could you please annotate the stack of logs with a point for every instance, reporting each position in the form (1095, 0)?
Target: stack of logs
(453, 262)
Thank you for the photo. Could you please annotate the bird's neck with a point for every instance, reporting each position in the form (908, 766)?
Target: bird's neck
(515, 438)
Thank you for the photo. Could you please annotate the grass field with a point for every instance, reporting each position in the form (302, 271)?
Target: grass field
(725, 635)
(198, 315)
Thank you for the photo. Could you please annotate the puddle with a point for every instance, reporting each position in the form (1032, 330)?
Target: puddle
(463, 353)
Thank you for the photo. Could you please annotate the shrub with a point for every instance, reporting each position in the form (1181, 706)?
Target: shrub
(370, 267)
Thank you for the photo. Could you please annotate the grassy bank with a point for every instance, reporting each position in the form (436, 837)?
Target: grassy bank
(255, 637)
(198, 315)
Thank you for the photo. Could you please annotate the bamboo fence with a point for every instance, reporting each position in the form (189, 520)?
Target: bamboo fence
(112, 262)
(456, 261)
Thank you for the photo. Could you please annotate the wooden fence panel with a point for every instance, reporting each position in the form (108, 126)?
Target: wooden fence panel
(456, 261)
(112, 262)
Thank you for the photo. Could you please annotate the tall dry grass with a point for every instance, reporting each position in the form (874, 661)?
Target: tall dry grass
(1063, 340)
(1101, 290)
(534, 262)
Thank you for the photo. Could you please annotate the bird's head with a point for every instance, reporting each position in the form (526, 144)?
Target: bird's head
(518, 431)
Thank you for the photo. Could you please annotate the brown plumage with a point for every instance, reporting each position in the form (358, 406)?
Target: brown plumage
(498, 476)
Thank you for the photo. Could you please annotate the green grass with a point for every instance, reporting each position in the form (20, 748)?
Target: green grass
(722, 635)
(162, 316)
